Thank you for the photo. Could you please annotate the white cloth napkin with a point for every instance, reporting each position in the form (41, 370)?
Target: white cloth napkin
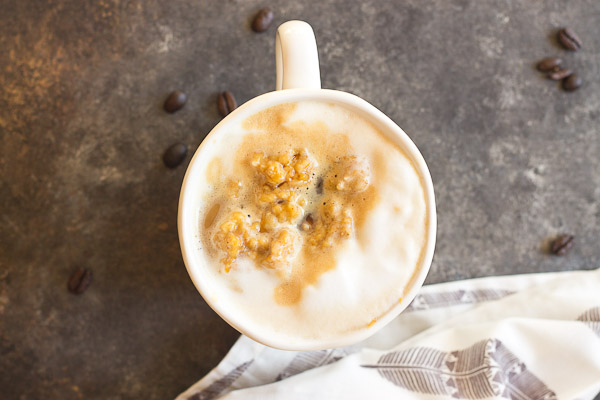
(520, 337)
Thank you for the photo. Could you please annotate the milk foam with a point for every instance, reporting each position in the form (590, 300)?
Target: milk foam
(373, 268)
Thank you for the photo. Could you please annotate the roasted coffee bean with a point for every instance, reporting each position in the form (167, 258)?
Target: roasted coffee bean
(262, 20)
(569, 39)
(572, 83)
(175, 101)
(560, 74)
(549, 64)
(80, 280)
(174, 155)
(226, 103)
(562, 244)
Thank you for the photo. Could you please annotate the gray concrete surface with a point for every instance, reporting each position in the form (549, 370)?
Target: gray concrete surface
(514, 160)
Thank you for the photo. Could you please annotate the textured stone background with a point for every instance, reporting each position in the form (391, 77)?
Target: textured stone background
(513, 158)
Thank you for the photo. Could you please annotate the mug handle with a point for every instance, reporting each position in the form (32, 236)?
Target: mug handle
(296, 57)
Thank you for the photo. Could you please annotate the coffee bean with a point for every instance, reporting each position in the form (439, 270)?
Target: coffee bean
(175, 101)
(262, 20)
(562, 244)
(569, 39)
(560, 74)
(80, 280)
(174, 155)
(226, 103)
(572, 83)
(549, 64)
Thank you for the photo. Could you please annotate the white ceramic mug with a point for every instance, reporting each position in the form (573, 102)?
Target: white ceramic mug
(298, 79)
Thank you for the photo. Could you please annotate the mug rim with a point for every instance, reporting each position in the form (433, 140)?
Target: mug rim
(186, 219)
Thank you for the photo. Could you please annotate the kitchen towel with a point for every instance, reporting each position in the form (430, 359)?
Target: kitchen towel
(534, 336)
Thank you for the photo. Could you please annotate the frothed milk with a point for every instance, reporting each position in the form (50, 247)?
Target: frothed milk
(312, 223)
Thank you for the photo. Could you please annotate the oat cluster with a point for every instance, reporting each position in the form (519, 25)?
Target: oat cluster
(274, 236)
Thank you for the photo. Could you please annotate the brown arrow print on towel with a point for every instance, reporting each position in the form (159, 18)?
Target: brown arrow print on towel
(485, 369)
(592, 319)
(217, 387)
(306, 360)
(427, 301)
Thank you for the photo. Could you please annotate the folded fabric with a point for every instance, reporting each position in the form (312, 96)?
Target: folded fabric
(523, 337)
